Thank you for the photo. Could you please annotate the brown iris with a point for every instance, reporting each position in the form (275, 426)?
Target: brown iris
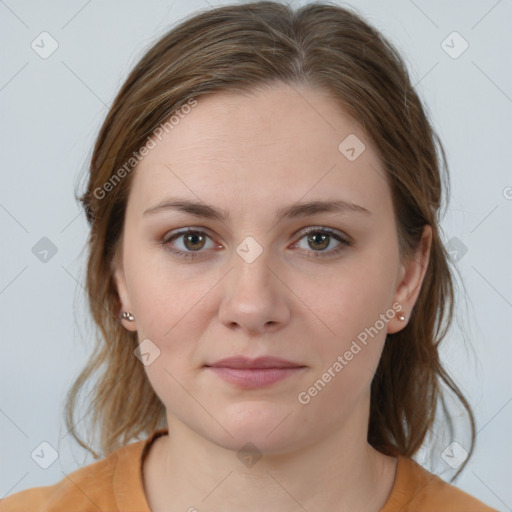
(194, 238)
(324, 240)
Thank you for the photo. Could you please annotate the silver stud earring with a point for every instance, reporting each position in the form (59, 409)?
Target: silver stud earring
(401, 317)
(127, 316)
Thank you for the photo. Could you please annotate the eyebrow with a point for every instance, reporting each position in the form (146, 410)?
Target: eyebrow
(304, 209)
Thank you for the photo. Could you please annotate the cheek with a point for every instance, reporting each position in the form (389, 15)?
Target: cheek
(371, 282)
(355, 309)
(355, 295)
(349, 358)
(160, 294)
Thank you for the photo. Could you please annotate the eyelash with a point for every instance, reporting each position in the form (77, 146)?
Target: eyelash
(344, 242)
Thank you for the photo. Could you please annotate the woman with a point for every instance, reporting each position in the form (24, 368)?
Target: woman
(267, 275)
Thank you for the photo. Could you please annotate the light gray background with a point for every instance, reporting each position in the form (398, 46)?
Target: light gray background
(51, 111)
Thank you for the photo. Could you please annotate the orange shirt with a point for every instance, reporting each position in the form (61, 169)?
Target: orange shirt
(115, 483)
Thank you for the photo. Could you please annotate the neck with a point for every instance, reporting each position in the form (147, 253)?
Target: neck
(340, 471)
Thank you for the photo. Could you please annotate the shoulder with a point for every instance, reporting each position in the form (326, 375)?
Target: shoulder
(419, 490)
(90, 488)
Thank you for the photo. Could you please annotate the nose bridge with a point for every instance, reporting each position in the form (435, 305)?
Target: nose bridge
(252, 261)
(253, 296)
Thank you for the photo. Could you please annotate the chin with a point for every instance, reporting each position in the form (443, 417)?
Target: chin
(271, 427)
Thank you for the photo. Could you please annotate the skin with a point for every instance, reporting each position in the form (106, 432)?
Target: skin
(251, 155)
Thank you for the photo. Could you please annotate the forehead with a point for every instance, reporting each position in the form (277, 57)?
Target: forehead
(282, 142)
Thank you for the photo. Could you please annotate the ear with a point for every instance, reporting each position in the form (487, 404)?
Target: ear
(122, 291)
(410, 278)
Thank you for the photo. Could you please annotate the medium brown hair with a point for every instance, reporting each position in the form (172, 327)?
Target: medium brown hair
(239, 49)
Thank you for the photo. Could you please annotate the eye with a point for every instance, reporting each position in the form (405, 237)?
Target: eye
(319, 238)
(193, 241)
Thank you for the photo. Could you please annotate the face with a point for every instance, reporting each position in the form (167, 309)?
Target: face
(254, 281)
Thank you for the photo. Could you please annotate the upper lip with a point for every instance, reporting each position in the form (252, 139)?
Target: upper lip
(259, 362)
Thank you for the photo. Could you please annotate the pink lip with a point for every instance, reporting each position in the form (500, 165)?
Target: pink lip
(254, 373)
(259, 362)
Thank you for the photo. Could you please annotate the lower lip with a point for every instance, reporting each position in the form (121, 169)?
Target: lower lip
(253, 378)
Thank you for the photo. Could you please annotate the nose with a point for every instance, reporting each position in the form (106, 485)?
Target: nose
(254, 298)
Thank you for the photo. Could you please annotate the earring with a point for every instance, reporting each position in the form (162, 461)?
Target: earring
(127, 316)
(401, 317)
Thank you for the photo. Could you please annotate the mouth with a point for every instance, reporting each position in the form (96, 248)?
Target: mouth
(254, 373)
